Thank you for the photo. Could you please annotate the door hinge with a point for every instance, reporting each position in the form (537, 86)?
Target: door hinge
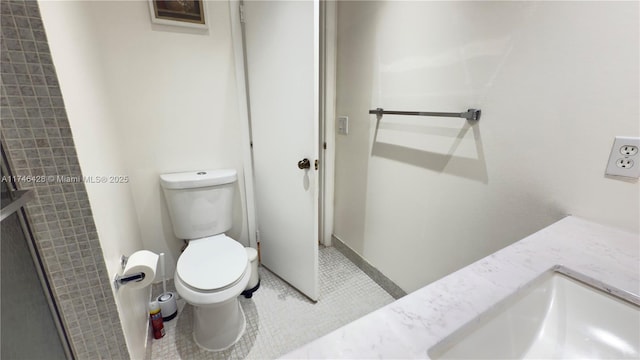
(316, 164)
(324, 145)
(242, 20)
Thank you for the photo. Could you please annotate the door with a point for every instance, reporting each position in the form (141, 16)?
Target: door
(282, 53)
(29, 316)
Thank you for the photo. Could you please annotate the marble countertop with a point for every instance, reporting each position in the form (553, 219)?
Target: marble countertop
(407, 328)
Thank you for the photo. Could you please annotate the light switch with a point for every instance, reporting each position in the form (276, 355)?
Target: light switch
(343, 125)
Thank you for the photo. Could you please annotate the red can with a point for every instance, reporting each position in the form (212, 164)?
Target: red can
(155, 317)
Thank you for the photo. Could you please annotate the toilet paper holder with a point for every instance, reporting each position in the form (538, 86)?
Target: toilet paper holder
(124, 280)
(120, 280)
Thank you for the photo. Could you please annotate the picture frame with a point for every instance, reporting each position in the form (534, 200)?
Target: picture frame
(186, 13)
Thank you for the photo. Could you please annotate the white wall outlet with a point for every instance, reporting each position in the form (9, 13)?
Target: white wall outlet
(343, 125)
(624, 163)
(629, 150)
(624, 157)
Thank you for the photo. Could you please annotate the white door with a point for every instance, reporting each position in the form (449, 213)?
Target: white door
(283, 77)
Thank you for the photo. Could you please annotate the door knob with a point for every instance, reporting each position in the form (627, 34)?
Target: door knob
(304, 164)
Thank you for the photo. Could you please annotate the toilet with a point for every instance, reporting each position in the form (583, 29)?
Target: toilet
(214, 268)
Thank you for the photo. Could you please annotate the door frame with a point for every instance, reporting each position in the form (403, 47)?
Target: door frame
(328, 71)
(327, 101)
(242, 93)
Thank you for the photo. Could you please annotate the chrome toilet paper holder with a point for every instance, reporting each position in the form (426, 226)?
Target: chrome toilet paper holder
(124, 280)
(120, 280)
(123, 261)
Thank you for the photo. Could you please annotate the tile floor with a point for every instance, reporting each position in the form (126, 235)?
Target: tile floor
(279, 319)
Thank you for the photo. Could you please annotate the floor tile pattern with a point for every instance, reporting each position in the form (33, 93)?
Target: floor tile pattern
(279, 318)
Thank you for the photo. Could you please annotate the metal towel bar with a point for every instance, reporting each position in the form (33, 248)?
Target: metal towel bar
(471, 114)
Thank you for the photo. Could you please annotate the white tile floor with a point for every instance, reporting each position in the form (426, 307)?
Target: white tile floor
(279, 319)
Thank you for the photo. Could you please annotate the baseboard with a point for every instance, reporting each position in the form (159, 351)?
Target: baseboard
(378, 277)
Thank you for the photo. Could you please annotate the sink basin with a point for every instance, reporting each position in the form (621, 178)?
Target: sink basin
(557, 317)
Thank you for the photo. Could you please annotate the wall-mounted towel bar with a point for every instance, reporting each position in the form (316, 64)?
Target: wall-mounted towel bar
(471, 114)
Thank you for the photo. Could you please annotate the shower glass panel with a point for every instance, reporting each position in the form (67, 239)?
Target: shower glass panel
(29, 328)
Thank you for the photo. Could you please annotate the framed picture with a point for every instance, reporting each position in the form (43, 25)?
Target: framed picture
(189, 13)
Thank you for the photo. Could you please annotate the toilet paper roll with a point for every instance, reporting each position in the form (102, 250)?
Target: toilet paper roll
(143, 261)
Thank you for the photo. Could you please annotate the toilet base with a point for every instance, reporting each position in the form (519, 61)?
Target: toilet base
(219, 327)
(249, 292)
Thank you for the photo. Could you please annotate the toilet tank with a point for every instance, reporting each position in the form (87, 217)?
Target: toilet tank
(200, 202)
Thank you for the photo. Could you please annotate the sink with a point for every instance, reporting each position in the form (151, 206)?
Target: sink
(557, 317)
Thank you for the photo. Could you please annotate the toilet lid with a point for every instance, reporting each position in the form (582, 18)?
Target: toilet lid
(212, 263)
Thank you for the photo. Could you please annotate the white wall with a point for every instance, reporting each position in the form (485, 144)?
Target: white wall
(76, 56)
(143, 100)
(174, 99)
(419, 197)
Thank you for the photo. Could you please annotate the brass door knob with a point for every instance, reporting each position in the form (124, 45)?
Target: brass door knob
(304, 164)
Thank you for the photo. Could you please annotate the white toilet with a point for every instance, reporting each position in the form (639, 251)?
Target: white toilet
(214, 268)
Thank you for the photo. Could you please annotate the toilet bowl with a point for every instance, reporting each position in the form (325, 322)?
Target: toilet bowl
(210, 275)
(214, 268)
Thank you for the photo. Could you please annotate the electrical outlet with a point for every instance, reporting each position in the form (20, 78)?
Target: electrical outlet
(623, 160)
(629, 150)
(624, 163)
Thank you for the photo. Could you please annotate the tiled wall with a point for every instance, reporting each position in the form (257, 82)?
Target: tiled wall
(39, 142)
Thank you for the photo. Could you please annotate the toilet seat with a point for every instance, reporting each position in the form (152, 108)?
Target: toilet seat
(212, 264)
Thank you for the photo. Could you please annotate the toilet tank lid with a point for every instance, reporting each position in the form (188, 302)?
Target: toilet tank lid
(196, 179)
